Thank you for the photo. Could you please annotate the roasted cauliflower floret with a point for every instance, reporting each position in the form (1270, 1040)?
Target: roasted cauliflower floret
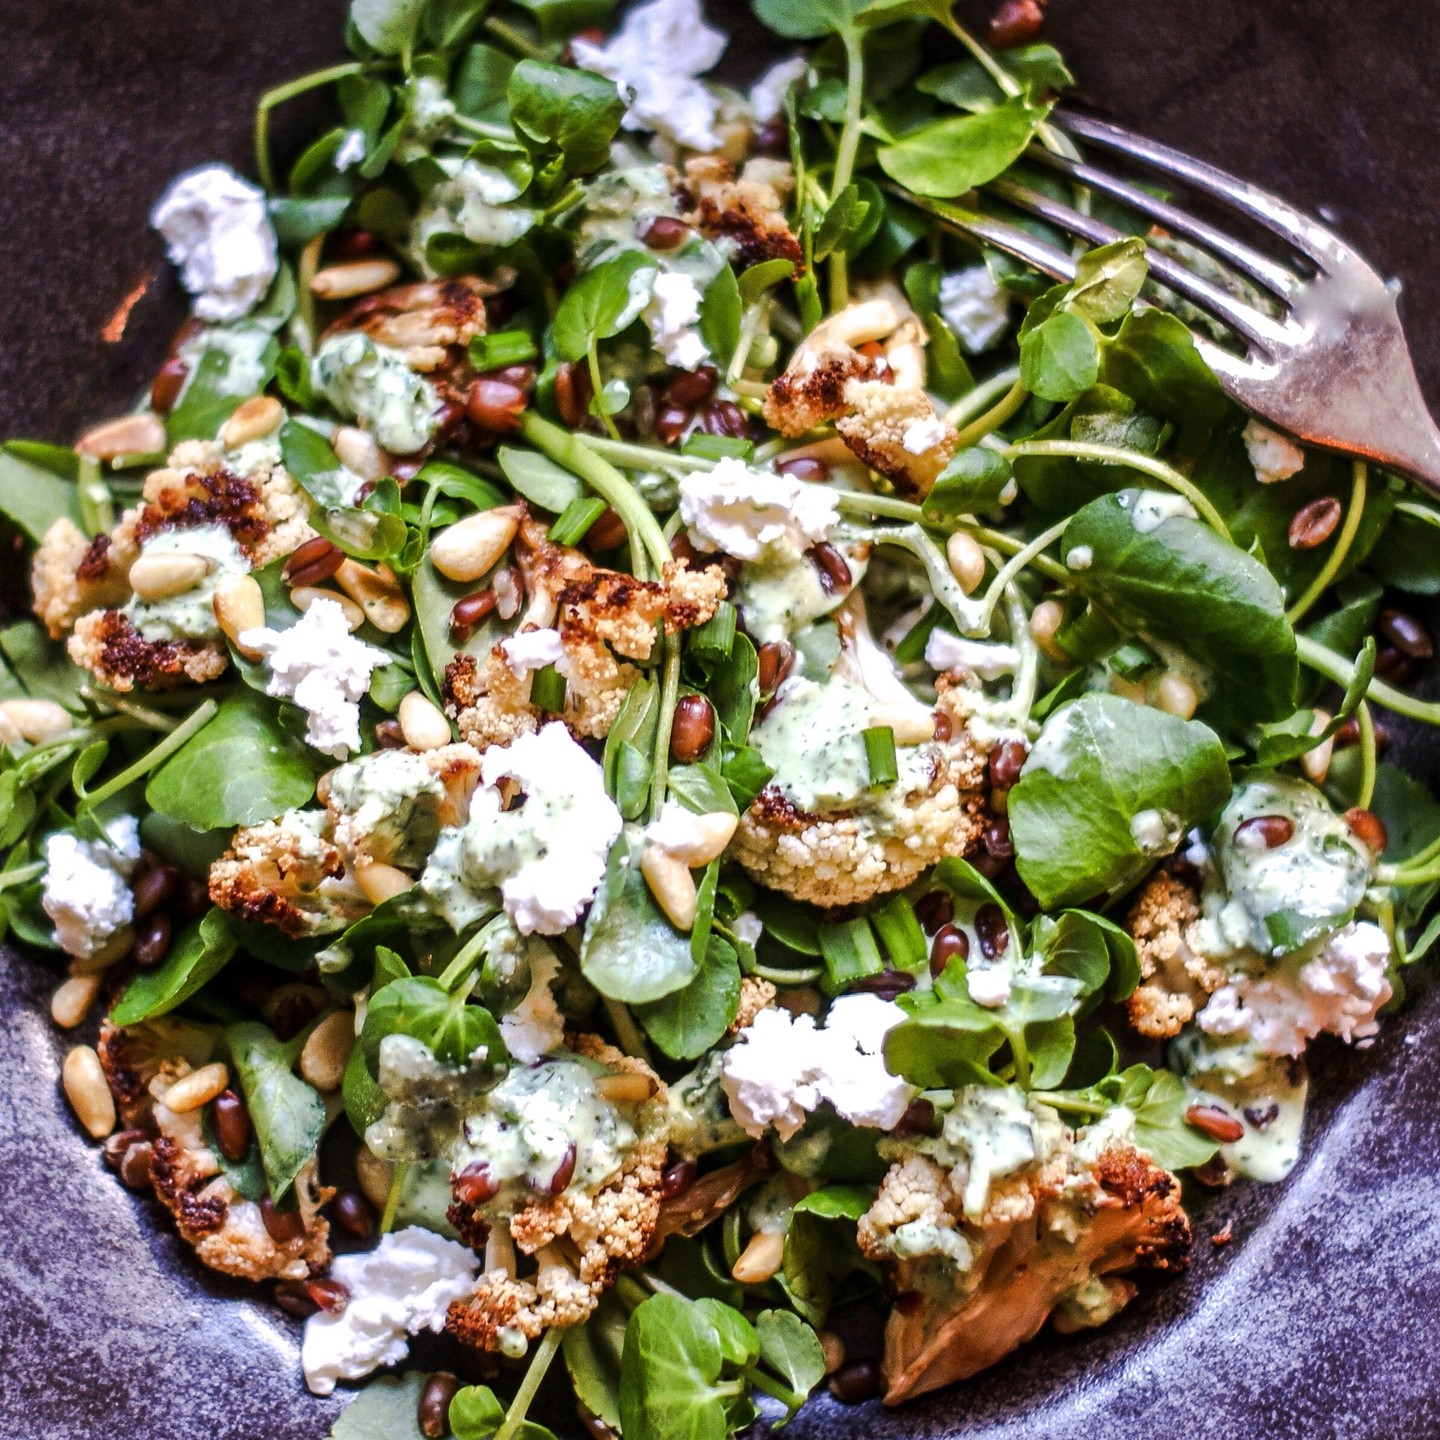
(107, 644)
(895, 430)
(426, 320)
(584, 1212)
(1174, 978)
(71, 575)
(996, 1229)
(748, 212)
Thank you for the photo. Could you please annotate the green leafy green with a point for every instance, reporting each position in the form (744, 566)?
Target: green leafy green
(948, 157)
(561, 108)
(195, 957)
(288, 1114)
(601, 303)
(422, 1008)
(688, 1021)
(34, 495)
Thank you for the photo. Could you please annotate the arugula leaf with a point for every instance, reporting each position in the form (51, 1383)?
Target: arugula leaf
(288, 1114)
(198, 954)
(948, 157)
(1109, 787)
(240, 769)
(33, 495)
(564, 109)
(601, 303)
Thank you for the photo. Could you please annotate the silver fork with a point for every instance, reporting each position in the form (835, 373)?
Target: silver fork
(1331, 368)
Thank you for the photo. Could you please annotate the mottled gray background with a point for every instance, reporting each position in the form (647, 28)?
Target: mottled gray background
(1316, 1321)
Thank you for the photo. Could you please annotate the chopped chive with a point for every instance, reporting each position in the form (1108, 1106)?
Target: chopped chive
(913, 642)
(575, 519)
(1133, 660)
(715, 639)
(717, 447)
(507, 347)
(880, 755)
(547, 691)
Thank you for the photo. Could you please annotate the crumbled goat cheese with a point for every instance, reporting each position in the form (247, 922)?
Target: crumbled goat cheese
(743, 512)
(783, 1067)
(324, 669)
(84, 891)
(1274, 456)
(654, 58)
(219, 234)
(748, 927)
(924, 435)
(989, 987)
(403, 1286)
(532, 650)
(1339, 992)
(1082, 557)
(672, 315)
(535, 1026)
(974, 307)
(767, 94)
(1149, 509)
(351, 151)
(987, 659)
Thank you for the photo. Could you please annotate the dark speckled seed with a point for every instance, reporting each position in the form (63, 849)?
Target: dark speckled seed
(992, 931)
(433, 1412)
(857, 1381)
(935, 910)
(283, 1226)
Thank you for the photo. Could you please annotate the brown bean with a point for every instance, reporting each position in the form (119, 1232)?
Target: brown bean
(996, 838)
(690, 387)
(664, 232)
(1367, 827)
(1218, 1124)
(283, 1226)
(856, 1382)
(573, 393)
(329, 1295)
(193, 897)
(117, 1145)
(496, 405)
(1394, 666)
(944, 726)
(1265, 832)
(152, 939)
(1406, 634)
(678, 1179)
(564, 1171)
(991, 929)
(1313, 524)
(725, 417)
(154, 888)
(918, 1119)
(887, 984)
(474, 1185)
(835, 576)
(168, 383)
(230, 1123)
(774, 660)
(950, 941)
(607, 533)
(803, 467)
(389, 735)
(432, 1414)
(1016, 22)
(692, 729)
(353, 1214)
(520, 376)
(294, 1298)
(351, 244)
(935, 910)
(1007, 759)
(671, 423)
(470, 611)
(135, 1165)
(312, 563)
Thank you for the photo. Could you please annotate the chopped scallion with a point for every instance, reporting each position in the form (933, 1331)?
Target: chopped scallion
(880, 755)
(576, 519)
(547, 691)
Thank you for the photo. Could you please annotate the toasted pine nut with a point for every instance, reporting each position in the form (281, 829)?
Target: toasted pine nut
(254, 420)
(1045, 620)
(142, 434)
(304, 596)
(967, 560)
(37, 720)
(87, 1091)
(378, 594)
(469, 548)
(9, 730)
(354, 277)
(197, 1088)
(71, 1003)
(380, 881)
(672, 885)
(1316, 763)
(327, 1051)
(760, 1259)
(239, 606)
(1176, 695)
(910, 724)
(833, 1348)
(704, 838)
(374, 1176)
(625, 1088)
(421, 723)
(358, 452)
(115, 948)
(156, 577)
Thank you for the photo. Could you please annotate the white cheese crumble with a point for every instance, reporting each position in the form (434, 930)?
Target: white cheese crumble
(85, 891)
(324, 669)
(743, 512)
(654, 59)
(1156, 832)
(1149, 509)
(532, 650)
(672, 314)
(924, 435)
(748, 927)
(219, 235)
(987, 659)
(990, 986)
(1274, 456)
(974, 307)
(403, 1286)
(1339, 991)
(767, 94)
(1082, 557)
(351, 150)
(535, 1026)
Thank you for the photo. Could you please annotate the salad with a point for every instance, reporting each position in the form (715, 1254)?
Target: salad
(639, 755)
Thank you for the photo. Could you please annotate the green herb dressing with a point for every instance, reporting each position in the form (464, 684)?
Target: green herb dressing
(375, 385)
(190, 615)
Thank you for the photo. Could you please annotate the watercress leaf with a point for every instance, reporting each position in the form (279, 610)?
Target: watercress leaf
(239, 769)
(669, 1370)
(1070, 945)
(1060, 358)
(820, 1247)
(592, 1355)
(975, 480)
(965, 882)
(747, 774)
(700, 788)
(220, 380)
(689, 1021)
(943, 1044)
(41, 666)
(950, 156)
(447, 22)
(454, 1030)
(807, 19)
(841, 221)
(626, 758)
(539, 479)
(1159, 1101)
(385, 1409)
(764, 276)
(1110, 787)
(479, 84)
(386, 26)
(790, 1348)
(631, 952)
(602, 302)
(475, 1413)
(1051, 1045)
(564, 109)
(33, 496)
(1108, 279)
(288, 1115)
(739, 1342)
(297, 219)
(197, 955)
(1153, 360)
(720, 308)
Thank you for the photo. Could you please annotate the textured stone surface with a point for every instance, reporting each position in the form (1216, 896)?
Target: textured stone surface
(1311, 1323)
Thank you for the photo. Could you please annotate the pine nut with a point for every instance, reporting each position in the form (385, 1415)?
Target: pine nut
(37, 720)
(469, 548)
(254, 420)
(373, 1176)
(967, 560)
(239, 605)
(706, 837)
(197, 1088)
(157, 577)
(761, 1259)
(142, 434)
(1045, 620)
(910, 724)
(1176, 695)
(381, 882)
(86, 1090)
(358, 452)
(327, 1051)
(9, 731)
(422, 724)
(378, 594)
(354, 277)
(625, 1088)
(672, 885)
(1316, 763)
(72, 1002)
(304, 596)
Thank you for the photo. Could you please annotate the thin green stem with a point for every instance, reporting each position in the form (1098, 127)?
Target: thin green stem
(967, 407)
(545, 1352)
(1027, 672)
(773, 1388)
(1342, 671)
(645, 457)
(520, 43)
(669, 698)
(993, 418)
(597, 385)
(392, 1200)
(627, 1032)
(1336, 558)
(845, 155)
(200, 717)
(1368, 755)
(1131, 459)
(1018, 561)
(22, 875)
(481, 129)
(278, 96)
(454, 974)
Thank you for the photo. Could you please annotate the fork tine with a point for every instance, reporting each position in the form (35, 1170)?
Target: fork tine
(1258, 267)
(1012, 239)
(1283, 219)
(1248, 322)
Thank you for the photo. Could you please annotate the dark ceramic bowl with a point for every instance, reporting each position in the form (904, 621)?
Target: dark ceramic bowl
(1315, 1320)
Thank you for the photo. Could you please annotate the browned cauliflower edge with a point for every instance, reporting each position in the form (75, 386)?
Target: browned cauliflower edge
(1174, 978)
